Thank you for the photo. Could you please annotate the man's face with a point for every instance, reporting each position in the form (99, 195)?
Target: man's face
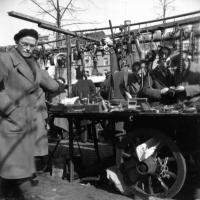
(163, 57)
(26, 45)
(186, 61)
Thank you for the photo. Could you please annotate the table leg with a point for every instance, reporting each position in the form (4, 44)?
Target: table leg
(71, 148)
(96, 147)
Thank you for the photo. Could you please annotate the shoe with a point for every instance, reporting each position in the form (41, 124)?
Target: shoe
(197, 194)
(34, 182)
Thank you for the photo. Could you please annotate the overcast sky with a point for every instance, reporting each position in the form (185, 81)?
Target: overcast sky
(96, 11)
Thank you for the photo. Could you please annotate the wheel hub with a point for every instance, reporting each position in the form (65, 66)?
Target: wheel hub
(147, 166)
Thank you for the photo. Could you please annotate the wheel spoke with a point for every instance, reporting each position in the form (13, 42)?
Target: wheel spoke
(126, 155)
(171, 159)
(172, 174)
(150, 185)
(139, 182)
(165, 187)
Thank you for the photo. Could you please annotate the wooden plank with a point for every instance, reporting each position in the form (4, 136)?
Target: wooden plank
(66, 32)
(28, 18)
(48, 25)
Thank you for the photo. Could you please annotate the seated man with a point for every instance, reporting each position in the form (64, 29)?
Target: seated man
(120, 86)
(124, 84)
(158, 81)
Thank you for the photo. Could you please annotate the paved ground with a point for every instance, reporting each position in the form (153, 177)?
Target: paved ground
(55, 188)
(52, 188)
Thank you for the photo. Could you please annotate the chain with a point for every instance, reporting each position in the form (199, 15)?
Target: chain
(164, 168)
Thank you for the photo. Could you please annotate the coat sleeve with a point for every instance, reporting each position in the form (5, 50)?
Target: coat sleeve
(192, 90)
(7, 105)
(148, 90)
(47, 82)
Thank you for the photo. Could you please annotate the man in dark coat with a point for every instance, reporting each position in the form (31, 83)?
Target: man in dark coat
(122, 84)
(84, 88)
(158, 81)
(20, 90)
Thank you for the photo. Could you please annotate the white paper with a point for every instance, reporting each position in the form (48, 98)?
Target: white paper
(145, 150)
(69, 101)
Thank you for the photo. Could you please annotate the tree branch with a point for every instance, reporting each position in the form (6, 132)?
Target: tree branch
(65, 9)
(33, 1)
(53, 4)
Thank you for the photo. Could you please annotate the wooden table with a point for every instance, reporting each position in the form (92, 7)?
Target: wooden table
(133, 117)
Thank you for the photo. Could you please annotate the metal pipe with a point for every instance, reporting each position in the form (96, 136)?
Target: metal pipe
(140, 23)
(66, 32)
(28, 18)
(167, 37)
(52, 41)
(183, 22)
(47, 25)
(68, 63)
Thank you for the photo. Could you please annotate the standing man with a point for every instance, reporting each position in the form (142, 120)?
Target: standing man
(85, 90)
(20, 89)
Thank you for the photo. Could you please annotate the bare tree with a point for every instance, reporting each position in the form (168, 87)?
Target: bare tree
(58, 10)
(163, 7)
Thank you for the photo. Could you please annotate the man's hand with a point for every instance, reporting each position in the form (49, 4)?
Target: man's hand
(164, 90)
(128, 95)
(180, 88)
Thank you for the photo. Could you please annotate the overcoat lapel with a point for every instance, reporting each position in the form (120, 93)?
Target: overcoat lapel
(22, 67)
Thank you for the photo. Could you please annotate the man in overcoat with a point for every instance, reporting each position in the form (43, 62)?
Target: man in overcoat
(20, 90)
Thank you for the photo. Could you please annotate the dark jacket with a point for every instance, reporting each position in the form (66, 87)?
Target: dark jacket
(156, 80)
(83, 89)
(115, 86)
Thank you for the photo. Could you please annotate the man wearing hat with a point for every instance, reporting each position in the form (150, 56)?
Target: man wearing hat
(21, 83)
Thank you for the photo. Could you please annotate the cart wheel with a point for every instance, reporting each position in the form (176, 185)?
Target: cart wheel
(159, 172)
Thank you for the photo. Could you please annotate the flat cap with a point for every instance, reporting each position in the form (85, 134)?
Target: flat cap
(26, 32)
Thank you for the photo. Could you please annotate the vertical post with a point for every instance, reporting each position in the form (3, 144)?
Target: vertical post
(71, 150)
(58, 23)
(114, 48)
(68, 63)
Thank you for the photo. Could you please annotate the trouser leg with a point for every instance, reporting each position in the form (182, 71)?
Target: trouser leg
(20, 189)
